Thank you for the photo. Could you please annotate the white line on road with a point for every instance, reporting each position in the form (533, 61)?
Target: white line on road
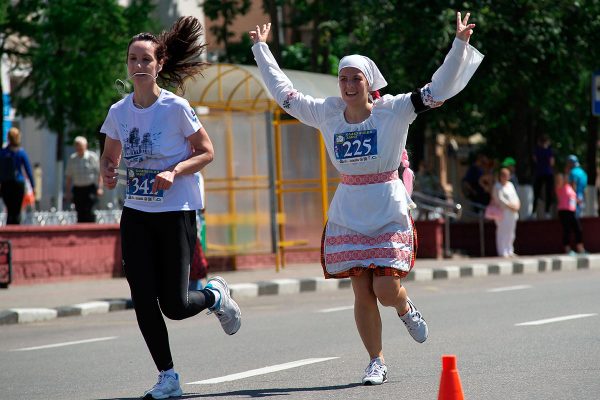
(327, 310)
(262, 371)
(557, 319)
(49, 346)
(509, 288)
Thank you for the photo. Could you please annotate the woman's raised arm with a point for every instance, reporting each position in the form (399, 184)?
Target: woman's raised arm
(302, 107)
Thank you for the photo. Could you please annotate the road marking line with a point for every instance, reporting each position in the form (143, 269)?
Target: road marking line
(49, 346)
(327, 310)
(557, 319)
(262, 371)
(508, 288)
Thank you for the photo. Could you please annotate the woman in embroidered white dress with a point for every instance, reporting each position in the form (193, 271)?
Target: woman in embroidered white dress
(369, 235)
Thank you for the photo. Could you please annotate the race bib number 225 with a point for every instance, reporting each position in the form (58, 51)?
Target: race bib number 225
(355, 146)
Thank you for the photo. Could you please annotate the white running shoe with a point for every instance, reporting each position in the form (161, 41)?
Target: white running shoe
(226, 309)
(376, 373)
(167, 386)
(416, 325)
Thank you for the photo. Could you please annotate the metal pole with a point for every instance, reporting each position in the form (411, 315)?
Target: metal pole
(324, 180)
(272, 185)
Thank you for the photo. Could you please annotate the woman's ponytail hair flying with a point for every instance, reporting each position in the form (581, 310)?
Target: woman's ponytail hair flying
(179, 49)
(183, 49)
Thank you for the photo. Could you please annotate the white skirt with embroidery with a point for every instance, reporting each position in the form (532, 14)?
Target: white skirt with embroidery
(345, 249)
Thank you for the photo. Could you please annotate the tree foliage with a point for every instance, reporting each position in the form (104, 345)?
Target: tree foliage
(225, 11)
(73, 52)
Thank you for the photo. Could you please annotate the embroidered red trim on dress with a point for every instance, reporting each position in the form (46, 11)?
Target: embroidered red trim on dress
(351, 255)
(380, 270)
(394, 237)
(368, 179)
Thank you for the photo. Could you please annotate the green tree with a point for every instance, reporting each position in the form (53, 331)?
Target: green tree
(76, 50)
(14, 26)
(225, 11)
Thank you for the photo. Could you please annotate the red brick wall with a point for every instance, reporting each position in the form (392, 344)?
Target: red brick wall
(86, 251)
(430, 236)
(532, 237)
(50, 253)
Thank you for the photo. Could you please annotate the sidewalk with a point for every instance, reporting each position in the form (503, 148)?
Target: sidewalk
(21, 304)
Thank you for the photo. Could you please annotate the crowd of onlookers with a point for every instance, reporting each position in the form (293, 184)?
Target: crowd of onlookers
(493, 189)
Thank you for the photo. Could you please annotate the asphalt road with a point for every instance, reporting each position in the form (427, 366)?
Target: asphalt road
(305, 346)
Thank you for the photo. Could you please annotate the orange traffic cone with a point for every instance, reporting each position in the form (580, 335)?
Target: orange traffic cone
(450, 387)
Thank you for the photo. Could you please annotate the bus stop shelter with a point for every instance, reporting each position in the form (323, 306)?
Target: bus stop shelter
(269, 186)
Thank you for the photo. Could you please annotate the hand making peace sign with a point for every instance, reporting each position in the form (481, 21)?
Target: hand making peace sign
(463, 31)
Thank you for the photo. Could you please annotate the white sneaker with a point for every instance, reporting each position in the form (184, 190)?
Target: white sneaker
(416, 325)
(226, 309)
(167, 386)
(376, 373)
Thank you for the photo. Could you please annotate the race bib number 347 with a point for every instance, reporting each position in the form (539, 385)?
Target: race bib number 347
(355, 146)
(139, 185)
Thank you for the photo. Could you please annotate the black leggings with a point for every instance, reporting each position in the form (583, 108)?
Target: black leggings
(85, 198)
(12, 194)
(570, 223)
(157, 250)
(548, 182)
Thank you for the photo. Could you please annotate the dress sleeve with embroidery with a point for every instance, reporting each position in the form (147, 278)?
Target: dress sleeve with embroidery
(302, 107)
(451, 77)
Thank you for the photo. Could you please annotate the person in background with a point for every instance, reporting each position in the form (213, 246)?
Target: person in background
(13, 160)
(543, 156)
(567, 206)
(471, 182)
(511, 164)
(83, 180)
(578, 179)
(488, 178)
(505, 195)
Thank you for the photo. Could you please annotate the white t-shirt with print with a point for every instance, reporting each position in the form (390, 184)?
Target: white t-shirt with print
(155, 138)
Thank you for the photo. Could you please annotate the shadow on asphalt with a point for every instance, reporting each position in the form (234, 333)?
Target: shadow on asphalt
(255, 393)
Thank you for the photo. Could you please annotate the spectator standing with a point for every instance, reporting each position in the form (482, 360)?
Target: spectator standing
(13, 159)
(505, 195)
(471, 183)
(83, 180)
(578, 179)
(511, 164)
(543, 156)
(567, 206)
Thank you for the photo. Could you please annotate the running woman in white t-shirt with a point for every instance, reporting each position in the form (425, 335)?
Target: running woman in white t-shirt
(369, 235)
(163, 145)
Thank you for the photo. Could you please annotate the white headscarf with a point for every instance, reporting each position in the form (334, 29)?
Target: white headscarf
(367, 67)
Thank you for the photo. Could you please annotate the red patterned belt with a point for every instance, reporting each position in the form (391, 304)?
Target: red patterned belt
(368, 179)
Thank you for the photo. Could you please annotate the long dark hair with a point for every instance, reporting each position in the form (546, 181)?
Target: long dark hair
(179, 49)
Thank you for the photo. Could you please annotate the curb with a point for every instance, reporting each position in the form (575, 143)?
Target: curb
(318, 284)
